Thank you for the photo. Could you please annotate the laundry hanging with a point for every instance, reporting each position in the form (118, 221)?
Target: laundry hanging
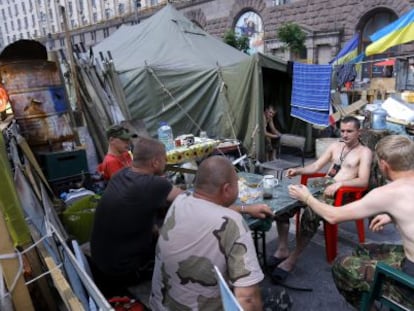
(311, 93)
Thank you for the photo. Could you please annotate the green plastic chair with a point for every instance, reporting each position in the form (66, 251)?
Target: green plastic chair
(385, 272)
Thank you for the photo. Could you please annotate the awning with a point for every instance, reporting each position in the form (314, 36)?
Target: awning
(388, 62)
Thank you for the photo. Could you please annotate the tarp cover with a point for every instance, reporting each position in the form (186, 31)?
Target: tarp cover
(170, 70)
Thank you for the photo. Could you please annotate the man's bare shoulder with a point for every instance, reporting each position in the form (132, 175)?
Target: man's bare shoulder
(365, 150)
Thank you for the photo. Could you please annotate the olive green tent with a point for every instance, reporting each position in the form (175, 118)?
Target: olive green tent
(170, 70)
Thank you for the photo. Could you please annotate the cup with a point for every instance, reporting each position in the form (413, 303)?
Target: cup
(269, 182)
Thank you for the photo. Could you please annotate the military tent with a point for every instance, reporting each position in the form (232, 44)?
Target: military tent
(171, 70)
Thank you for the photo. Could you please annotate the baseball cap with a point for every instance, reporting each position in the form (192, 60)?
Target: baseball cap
(119, 131)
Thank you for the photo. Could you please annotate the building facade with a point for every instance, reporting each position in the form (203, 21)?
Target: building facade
(42, 19)
(328, 24)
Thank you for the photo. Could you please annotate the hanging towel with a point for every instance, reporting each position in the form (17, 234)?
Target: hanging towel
(311, 93)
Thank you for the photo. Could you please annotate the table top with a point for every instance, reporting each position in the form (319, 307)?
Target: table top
(197, 151)
(280, 203)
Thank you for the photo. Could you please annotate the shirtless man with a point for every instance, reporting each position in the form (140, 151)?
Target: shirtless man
(272, 135)
(350, 165)
(391, 203)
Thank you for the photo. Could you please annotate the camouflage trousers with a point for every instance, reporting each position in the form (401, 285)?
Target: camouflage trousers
(310, 221)
(354, 274)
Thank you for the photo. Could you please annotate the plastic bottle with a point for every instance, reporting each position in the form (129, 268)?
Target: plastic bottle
(379, 118)
(165, 135)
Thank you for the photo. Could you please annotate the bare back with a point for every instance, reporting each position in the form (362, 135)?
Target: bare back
(395, 199)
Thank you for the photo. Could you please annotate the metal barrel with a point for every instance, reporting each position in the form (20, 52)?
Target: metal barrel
(39, 102)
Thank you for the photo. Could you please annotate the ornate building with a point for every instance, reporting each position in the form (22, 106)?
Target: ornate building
(329, 24)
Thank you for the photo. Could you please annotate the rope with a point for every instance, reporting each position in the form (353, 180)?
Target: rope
(175, 102)
(19, 256)
(44, 274)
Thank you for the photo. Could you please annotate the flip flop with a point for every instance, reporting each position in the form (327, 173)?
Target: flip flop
(273, 261)
(279, 275)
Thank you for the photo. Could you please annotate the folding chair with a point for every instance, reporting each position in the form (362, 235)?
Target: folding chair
(385, 272)
(288, 141)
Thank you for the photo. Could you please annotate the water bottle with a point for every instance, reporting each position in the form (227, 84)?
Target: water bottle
(165, 135)
(379, 118)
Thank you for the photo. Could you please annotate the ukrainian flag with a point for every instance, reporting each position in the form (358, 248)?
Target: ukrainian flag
(348, 52)
(399, 32)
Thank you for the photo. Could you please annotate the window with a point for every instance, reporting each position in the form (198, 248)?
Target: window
(10, 12)
(24, 8)
(70, 8)
(250, 25)
(121, 8)
(280, 2)
(53, 29)
(376, 20)
(93, 35)
(19, 25)
(44, 31)
(3, 13)
(62, 42)
(26, 23)
(16, 10)
(42, 16)
(33, 21)
(12, 25)
(6, 28)
(95, 17)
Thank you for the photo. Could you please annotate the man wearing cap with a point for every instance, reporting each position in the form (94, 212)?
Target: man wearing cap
(118, 155)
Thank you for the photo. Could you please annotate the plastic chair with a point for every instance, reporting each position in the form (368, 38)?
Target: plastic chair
(383, 272)
(331, 230)
(280, 165)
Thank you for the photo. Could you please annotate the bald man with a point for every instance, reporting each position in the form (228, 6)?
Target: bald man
(200, 231)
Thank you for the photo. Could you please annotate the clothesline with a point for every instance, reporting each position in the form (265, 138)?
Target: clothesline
(380, 59)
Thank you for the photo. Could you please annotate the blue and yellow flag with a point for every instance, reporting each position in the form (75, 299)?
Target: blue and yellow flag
(399, 32)
(348, 52)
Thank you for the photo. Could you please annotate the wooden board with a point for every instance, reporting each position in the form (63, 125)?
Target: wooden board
(349, 109)
(383, 84)
(20, 295)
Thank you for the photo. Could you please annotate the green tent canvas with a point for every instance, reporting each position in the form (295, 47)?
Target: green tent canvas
(170, 70)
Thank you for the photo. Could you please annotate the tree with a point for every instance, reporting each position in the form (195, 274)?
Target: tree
(239, 42)
(292, 36)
